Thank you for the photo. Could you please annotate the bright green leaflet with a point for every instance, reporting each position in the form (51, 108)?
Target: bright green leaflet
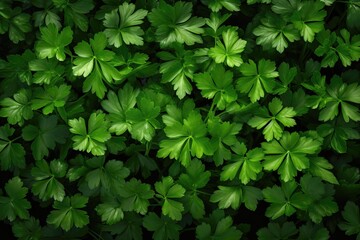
(143, 119)
(185, 140)
(224, 230)
(217, 5)
(351, 215)
(275, 32)
(136, 196)
(289, 154)
(95, 64)
(257, 78)
(320, 167)
(45, 176)
(223, 136)
(163, 227)
(47, 71)
(93, 137)
(110, 210)
(45, 136)
(286, 76)
(14, 204)
(248, 166)
(122, 25)
(195, 178)
(50, 98)
(233, 196)
(278, 114)
(217, 85)
(117, 106)
(12, 155)
(168, 190)
(341, 95)
(52, 43)
(275, 231)
(17, 110)
(229, 51)
(285, 200)
(68, 213)
(178, 69)
(175, 24)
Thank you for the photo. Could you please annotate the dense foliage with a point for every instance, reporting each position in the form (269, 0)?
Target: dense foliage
(207, 119)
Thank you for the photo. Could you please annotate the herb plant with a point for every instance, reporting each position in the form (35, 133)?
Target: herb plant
(206, 119)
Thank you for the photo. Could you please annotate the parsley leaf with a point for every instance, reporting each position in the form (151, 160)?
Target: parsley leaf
(279, 114)
(285, 200)
(47, 71)
(68, 213)
(257, 78)
(168, 190)
(217, 5)
(52, 43)
(217, 85)
(224, 230)
(15, 22)
(124, 28)
(352, 217)
(46, 185)
(143, 119)
(28, 229)
(118, 105)
(320, 167)
(12, 155)
(175, 24)
(15, 204)
(95, 63)
(275, 231)
(50, 97)
(275, 32)
(235, 195)
(248, 166)
(312, 231)
(17, 110)
(288, 155)
(45, 136)
(93, 137)
(163, 227)
(230, 50)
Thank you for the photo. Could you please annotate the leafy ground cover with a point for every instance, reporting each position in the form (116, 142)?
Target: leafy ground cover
(206, 119)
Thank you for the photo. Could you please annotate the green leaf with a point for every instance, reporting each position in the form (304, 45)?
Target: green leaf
(46, 184)
(93, 137)
(312, 231)
(110, 211)
(186, 139)
(163, 228)
(168, 190)
(128, 228)
(274, 32)
(279, 114)
(12, 155)
(353, 13)
(327, 39)
(175, 24)
(285, 200)
(143, 119)
(256, 79)
(234, 196)
(351, 215)
(47, 71)
(286, 76)
(52, 43)
(224, 229)
(217, 85)
(248, 166)
(229, 50)
(96, 64)
(136, 196)
(122, 25)
(17, 110)
(217, 5)
(289, 155)
(309, 19)
(117, 106)
(68, 213)
(45, 136)
(28, 229)
(15, 204)
(275, 231)
(50, 97)
(348, 48)
(320, 167)
(15, 23)
(178, 69)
